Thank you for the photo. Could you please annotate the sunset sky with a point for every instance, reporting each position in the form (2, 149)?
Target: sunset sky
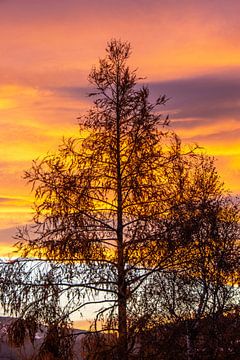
(188, 50)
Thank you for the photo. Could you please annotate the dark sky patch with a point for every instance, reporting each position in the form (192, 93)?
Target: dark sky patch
(192, 102)
(206, 97)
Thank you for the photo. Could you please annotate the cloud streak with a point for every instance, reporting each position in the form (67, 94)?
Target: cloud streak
(189, 51)
(208, 96)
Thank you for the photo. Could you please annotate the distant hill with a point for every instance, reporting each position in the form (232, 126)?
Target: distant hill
(7, 352)
(213, 337)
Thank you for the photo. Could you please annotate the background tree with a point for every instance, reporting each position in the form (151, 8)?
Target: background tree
(193, 302)
(112, 212)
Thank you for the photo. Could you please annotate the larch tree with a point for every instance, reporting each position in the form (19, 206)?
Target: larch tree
(110, 213)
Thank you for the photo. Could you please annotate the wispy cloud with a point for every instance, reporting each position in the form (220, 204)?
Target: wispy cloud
(207, 96)
(7, 241)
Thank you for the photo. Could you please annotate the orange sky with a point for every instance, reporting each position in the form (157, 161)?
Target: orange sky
(187, 49)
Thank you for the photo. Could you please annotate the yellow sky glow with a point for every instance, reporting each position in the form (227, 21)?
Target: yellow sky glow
(48, 52)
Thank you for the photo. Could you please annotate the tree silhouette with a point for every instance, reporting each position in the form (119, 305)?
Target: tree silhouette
(115, 208)
(196, 298)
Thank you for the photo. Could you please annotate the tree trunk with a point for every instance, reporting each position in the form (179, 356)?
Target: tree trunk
(122, 290)
(122, 317)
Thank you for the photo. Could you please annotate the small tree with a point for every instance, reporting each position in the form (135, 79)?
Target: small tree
(107, 214)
